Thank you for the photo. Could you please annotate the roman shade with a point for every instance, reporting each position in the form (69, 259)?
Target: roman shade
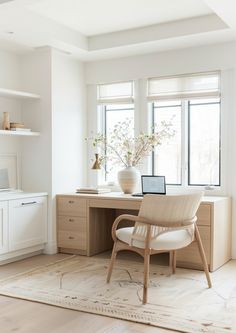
(115, 93)
(184, 86)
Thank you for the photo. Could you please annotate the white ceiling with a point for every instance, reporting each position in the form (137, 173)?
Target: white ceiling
(94, 17)
(102, 29)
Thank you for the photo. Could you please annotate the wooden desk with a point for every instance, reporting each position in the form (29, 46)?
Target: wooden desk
(84, 226)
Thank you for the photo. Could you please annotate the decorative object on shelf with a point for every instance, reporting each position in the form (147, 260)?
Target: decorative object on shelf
(17, 125)
(98, 162)
(128, 151)
(20, 129)
(6, 121)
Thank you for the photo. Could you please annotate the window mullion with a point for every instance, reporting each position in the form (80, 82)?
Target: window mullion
(184, 142)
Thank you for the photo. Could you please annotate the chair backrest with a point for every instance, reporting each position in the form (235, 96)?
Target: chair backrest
(170, 208)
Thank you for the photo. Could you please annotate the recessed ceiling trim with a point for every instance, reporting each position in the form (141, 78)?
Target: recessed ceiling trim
(157, 32)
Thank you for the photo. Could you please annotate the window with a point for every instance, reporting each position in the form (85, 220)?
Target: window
(192, 156)
(112, 115)
(171, 149)
(204, 142)
(115, 105)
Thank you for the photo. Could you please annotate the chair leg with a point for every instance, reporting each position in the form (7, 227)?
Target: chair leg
(203, 256)
(174, 262)
(170, 259)
(112, 260)
(146, 275)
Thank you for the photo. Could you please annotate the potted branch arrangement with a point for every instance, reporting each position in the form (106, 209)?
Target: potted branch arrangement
(124, 149)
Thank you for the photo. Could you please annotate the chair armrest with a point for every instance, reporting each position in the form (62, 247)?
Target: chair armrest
(119, 219)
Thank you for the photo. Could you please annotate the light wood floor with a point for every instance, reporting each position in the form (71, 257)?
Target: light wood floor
(28, 317)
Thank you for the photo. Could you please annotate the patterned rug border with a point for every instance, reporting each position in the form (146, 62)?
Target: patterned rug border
(103, 307)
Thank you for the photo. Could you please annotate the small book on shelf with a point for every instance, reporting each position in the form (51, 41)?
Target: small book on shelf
(92, 190)
(20, 129)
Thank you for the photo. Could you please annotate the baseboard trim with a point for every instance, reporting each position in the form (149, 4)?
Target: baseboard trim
(50, 248)
(12, 257)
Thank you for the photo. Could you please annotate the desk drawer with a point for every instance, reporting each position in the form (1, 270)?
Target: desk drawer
(71, 206)
(204, 214)
(71, 223)
(190, 257)
(72, 240)
(115, 204)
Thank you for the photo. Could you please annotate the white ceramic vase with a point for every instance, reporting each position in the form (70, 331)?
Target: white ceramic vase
(128, 179)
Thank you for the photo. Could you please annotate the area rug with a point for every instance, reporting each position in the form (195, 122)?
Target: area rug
(180, 302)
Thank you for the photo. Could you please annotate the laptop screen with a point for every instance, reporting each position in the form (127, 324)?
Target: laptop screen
(153, 185)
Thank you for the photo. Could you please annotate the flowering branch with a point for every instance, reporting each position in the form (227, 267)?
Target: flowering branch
(121, 146)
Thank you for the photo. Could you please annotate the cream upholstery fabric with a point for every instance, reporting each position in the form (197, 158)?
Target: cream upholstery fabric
(171, 240)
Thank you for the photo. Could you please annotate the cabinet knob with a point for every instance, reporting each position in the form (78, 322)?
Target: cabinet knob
(71, 201)
(70, 237)
(71, 220)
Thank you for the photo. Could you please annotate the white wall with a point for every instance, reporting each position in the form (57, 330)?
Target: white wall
(206, 58)
(54, 162)
(69, 157)
(68, 124)
(9, 78)
(10, 70)
(36, 152)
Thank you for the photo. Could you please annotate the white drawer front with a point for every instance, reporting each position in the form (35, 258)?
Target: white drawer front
(27, 222)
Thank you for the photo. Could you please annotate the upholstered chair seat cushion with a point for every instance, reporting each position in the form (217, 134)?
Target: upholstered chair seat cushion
(171, 240)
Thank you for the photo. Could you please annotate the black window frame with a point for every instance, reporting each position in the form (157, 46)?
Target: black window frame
(187, 105)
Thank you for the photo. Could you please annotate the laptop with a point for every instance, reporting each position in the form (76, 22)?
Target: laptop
(152, 185)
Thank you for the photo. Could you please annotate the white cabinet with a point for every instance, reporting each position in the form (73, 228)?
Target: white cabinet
(3, 227)
(23, 225)
(27, 222)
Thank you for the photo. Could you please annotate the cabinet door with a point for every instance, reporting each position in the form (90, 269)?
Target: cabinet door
(3, 227)
(27, 222)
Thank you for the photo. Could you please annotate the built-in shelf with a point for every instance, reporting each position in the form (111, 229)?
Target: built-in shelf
(16, 133)
(17, 94)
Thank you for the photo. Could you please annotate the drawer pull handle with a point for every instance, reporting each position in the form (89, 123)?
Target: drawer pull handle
(28, 203)
(71, 201)
(71, 220)
(70, 237)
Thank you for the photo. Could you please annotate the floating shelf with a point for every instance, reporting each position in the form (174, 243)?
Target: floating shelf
(17, 94)
(20, 133)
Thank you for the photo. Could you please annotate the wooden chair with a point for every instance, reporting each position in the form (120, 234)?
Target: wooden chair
(164, 224)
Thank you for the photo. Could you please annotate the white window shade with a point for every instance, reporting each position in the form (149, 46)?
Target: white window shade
(184, 86)
(116, 93)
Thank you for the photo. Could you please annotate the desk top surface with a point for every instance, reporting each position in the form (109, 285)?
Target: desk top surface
(122, 196)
